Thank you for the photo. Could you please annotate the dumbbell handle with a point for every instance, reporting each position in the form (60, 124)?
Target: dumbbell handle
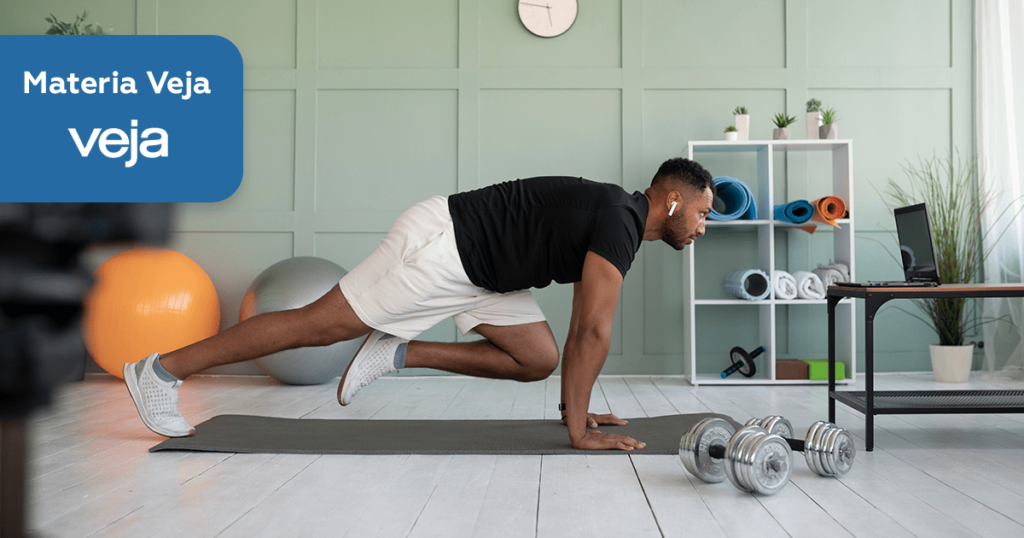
(718, 451)
(795, 444)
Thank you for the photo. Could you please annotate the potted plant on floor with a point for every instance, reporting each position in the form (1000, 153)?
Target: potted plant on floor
(813, 118)
(782, 123)
(948, 188)
(742, 123)
(829, 131)
(730, 133)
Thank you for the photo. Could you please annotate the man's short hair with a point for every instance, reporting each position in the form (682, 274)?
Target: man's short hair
(685, 171)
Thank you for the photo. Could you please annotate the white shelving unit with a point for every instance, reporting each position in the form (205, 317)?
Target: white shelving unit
(765, 152)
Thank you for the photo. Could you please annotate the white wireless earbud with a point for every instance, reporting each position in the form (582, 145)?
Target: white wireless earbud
(672, 209)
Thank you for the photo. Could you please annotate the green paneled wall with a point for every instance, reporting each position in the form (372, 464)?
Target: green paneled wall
(356, 110)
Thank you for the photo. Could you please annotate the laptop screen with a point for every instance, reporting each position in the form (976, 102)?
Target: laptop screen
(917, 246)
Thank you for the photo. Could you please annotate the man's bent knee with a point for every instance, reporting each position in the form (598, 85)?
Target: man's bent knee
(540, 367)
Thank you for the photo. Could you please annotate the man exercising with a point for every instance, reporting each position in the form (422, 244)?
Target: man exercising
(473, 257)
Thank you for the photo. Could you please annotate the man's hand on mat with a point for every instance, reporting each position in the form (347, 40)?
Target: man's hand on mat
(593, 420)
(595, 440)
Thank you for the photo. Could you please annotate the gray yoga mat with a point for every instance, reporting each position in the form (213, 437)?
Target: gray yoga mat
(252, 434)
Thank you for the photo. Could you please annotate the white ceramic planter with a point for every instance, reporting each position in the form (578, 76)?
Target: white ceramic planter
(742, 124)
(828, 132)
(731, 136)
(951, 364)
(813, 122)
(781, 134)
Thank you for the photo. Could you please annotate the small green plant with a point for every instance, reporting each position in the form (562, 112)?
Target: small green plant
(730, 129)
(73, 28)
(829, 116)
(813, 105)
(782, 121)
(740, 110)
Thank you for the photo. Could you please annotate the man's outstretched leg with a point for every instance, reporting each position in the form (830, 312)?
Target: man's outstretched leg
(154, 381)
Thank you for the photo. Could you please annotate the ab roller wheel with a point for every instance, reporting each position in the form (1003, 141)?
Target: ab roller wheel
(742, 362)
(759, 457)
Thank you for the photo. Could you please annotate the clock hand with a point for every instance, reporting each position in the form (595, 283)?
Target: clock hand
(535, 5)
(550, 22)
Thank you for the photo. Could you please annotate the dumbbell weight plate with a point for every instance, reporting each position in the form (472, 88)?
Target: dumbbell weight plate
(839, 452)
(733, 452)
(768, 465)
(812, 447)
(778, 425)
(695, 444)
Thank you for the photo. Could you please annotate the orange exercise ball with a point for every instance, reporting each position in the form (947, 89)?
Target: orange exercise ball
(147, 300)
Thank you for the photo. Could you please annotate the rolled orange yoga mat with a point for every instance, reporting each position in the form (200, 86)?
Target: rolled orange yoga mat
(826, 209)
(829, 208)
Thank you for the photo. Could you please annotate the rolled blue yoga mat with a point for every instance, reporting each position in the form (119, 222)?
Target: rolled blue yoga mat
(735, 199)
(796, 212)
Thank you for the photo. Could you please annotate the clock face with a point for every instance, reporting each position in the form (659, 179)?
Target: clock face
(547, 18)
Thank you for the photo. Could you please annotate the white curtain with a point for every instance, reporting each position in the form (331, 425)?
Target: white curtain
(1000, 131)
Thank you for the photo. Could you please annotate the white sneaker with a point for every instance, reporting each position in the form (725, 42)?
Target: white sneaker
(375, 358)
(156, 400)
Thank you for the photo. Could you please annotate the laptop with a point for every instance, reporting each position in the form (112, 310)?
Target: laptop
(917, 248)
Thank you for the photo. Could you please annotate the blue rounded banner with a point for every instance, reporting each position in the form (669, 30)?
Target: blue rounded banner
(119, 118)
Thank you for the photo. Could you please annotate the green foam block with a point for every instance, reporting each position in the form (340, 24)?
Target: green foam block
(818, 369)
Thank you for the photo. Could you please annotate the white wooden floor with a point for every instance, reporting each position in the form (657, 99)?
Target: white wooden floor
(90, 473)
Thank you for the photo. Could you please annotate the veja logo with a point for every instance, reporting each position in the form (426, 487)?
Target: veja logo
(118, 138)
(120, 118)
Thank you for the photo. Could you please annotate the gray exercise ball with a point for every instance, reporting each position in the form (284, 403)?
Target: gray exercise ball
(290, 284)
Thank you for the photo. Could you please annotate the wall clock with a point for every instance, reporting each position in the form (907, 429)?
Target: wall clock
(548, 18)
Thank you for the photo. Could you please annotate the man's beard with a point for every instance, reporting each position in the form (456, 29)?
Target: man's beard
(673, 238)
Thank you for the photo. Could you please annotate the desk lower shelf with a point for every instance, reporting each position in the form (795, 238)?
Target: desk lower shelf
(937, 401)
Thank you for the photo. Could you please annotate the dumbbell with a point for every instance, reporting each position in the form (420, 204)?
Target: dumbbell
(828, 449)
(752, 459)
(742, 362)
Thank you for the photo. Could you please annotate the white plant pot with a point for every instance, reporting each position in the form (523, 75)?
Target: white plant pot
(742, 124)
(828, 132)
(780, 134)
(952, 364)
(813, 122)
(731, 136)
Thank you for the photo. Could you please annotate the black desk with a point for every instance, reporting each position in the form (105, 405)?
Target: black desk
(873, 403)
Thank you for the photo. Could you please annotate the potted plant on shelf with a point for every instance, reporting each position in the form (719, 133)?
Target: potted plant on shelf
(730, 133)
(813, 118)
(72, 28)
(828, 131)
(742, 123)
(948, 188)
(782, 123)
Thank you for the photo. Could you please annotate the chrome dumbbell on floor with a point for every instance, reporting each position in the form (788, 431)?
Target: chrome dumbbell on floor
(752, 459)
(757, 458)
(828, 449)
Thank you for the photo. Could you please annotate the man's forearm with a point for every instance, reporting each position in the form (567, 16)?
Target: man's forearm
(565, 370)
(579, 371)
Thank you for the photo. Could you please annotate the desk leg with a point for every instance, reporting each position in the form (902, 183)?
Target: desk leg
(869, 380)
(871, 306)
(832, 357)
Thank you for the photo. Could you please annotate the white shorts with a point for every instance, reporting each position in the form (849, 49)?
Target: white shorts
(415, 279)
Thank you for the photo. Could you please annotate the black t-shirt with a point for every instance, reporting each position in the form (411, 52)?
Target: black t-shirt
(525, 233)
